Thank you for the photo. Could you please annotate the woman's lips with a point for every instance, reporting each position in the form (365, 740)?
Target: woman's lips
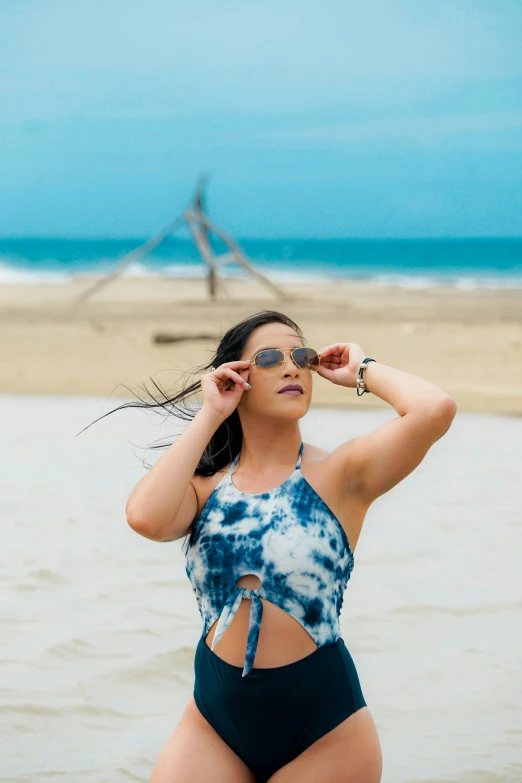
(293, 392)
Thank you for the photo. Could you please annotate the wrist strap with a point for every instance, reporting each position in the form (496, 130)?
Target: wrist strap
(361, 386)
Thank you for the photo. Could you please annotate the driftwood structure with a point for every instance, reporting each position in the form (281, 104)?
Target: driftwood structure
(201, 230)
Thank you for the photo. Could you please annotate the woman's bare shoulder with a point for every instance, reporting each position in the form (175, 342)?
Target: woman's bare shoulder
(316, 465)
(319, 456)
(313, 453)
(327, 466)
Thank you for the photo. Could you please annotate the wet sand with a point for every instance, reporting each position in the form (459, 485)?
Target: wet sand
(99, 625)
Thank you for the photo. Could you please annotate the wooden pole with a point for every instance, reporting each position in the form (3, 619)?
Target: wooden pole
(201, 228)
(203, 245)
(241, 258)
(135, 255)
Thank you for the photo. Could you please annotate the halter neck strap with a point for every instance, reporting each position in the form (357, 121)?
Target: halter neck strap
(233, 464)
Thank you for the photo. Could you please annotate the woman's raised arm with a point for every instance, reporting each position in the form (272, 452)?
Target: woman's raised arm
(378, 461)
(164, 503)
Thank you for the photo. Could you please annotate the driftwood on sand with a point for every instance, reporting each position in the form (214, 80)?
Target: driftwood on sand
(201, 230)
(163, 338)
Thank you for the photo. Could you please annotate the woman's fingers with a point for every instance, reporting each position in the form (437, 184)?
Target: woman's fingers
(335, 348)
(243, 364)
(223, 372)
(239, 362)
(336, 353)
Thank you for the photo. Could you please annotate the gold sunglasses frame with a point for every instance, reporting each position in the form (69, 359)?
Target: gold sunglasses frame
(288, 350)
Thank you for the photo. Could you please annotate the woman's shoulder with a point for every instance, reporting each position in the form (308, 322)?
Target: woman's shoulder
(313, 453)
(329, 469)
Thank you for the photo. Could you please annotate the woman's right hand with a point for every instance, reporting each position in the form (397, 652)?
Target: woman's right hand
(223, 387)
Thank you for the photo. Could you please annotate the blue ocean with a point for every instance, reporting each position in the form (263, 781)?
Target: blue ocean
(414, 263)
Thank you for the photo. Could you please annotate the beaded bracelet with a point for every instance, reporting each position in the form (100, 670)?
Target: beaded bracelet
(360, 380)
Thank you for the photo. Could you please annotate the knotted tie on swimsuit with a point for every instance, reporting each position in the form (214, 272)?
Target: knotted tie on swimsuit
(227, 615)
(289, 538)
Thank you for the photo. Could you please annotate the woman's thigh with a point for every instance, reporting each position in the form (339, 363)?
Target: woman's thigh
(195, 753)
(349, 753)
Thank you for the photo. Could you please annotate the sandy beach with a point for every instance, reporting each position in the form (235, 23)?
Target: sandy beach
(467, 341)
(100, 625)
(359, 172)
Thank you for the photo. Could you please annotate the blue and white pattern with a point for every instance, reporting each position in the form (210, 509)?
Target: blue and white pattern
(289, 538)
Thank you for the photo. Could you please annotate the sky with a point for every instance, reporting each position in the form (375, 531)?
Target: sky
(331, 119)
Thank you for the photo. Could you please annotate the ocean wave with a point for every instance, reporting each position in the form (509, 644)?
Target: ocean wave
(173, 665)
(139, 270)
(13, 273)
(425, 610)
(510, 774)
(63, 710)
(188, 270)
(463, 283)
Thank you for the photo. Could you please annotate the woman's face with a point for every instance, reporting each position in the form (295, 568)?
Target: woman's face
(265, 396)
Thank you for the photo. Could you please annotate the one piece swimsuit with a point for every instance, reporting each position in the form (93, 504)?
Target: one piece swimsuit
(289, 538)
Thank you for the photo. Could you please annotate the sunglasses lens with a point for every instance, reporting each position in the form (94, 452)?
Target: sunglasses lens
(306, 357)
(268, 361)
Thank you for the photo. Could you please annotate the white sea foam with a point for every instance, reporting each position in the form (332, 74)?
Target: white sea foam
(139, 270)
(11, 273)
(187, 270)
(463, 283)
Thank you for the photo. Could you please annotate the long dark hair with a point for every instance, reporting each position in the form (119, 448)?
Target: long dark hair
(225, 443)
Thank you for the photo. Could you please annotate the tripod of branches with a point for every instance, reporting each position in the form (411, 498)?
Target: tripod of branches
(201, 229)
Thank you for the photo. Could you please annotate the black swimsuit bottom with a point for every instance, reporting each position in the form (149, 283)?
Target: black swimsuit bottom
(274, 714)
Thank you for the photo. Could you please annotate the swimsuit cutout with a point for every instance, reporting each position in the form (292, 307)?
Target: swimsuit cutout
(289, 538)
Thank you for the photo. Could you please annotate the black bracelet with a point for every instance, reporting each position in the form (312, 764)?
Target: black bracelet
(360, 380)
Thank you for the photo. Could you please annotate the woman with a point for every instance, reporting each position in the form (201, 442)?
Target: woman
(272, 526)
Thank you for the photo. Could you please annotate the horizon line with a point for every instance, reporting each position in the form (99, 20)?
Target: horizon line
(375, 238)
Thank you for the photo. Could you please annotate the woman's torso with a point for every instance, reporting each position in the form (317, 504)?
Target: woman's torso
(282, 639)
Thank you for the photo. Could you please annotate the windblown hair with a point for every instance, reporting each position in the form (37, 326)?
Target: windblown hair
(226, 442)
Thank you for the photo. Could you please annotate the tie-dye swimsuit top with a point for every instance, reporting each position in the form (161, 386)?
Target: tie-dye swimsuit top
(289, 539)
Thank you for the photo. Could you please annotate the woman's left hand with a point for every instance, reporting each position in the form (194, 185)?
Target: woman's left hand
(340, 363)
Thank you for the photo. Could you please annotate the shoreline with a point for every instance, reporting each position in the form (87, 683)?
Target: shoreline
(469, 342)
(401, 282)
(463, 283)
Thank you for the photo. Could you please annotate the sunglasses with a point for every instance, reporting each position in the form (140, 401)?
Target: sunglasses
(269, 361)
